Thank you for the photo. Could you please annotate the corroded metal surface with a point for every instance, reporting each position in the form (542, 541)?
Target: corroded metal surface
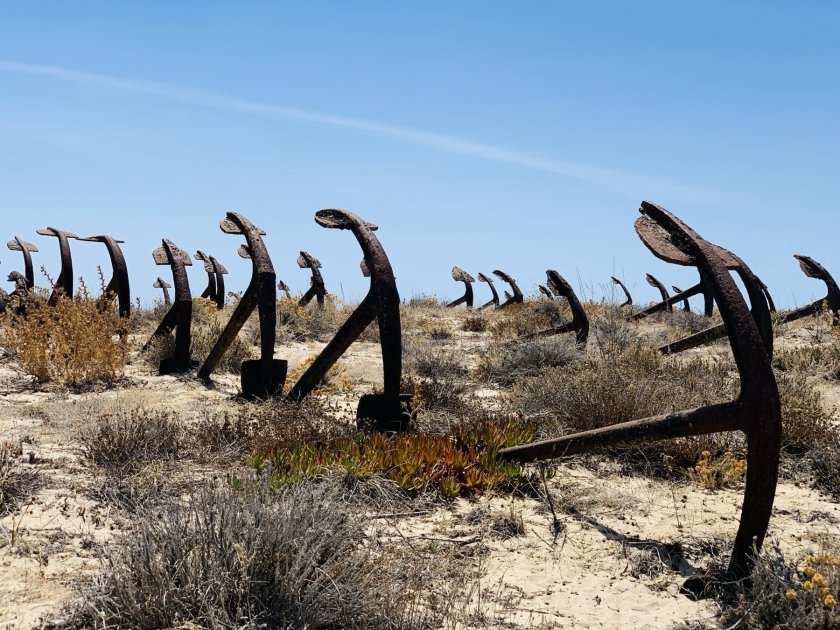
(284, 288)
(160, 283)
(516, 296)
(580, 322)
(216, 272)
(652, 281)
(544, 290)
(316, 289)
(262, 378)
(494, 301)
(813, 269)
(179, 316)
(64, 283)
(17, 244)
(628, 301)
(756, 411)
(459, 275)
(389, 410)
(118, 284)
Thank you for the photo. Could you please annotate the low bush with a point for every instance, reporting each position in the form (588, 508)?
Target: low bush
(77, 343)
(224, 559)
(505, 364)
(15, 483)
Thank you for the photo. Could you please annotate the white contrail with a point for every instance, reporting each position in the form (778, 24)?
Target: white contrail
(627, 183)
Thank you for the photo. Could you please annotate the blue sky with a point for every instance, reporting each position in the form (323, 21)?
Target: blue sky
(519, 136)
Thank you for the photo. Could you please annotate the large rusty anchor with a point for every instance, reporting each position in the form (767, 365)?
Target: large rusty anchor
(64, 283)
(118, 284)
(459, 275)
(389, 411)
(756, 411)
(17, 244)
(580, 322)
(316, 289)
(160, 283)
(813, 269)
(264, 377)
(494, 301)
(215, 291)
(179, 316)
(628, 301)
(516, 296)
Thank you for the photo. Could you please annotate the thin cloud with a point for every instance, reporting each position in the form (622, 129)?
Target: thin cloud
(630, 184)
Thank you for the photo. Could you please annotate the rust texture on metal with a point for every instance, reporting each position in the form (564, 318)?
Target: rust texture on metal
(64, 283)
(17, 244)
(316, 289)
(216, 272)
(686, 305)
(756, 411)
(284, 288)
(652, 281)
(160, 283)
(544, 290)
(813, 269)
(628, 300)
(262, 378)
(515, 297)
(118, 284)
(580, 322)
(389, 411)
(494, 301)
(459, 275)
(179, 316)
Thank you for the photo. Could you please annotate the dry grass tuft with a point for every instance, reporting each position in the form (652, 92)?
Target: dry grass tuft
(76, 344)
(224, 559)
(15, 483)
(506, 364)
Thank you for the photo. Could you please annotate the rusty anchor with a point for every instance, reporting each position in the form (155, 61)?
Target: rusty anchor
(652, 281)
(64, 283)
(459, 275)
(262, 378)
(628, 301)
(179, 316)
(118, 284)
(17, 244)
(766, 292)
(512, 298)
(494, 301)
(756, 411)
(215, 291)
(544, 290)
(686, 305)
(389, 411)
(160, 283)
(813, 269)
(284, 288)
(316, 289)
(580, 322)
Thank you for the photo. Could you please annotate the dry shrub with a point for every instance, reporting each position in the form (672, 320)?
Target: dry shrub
(507, 363)
(224, 559)
(15, 483)
(76, 343)
(299, 323)
(687, 322)
(518, 320)
(805, 422)
(636, 383)
(438, 376)
(474, 322)
(783, 594)
(814, 359)
(123, 441)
